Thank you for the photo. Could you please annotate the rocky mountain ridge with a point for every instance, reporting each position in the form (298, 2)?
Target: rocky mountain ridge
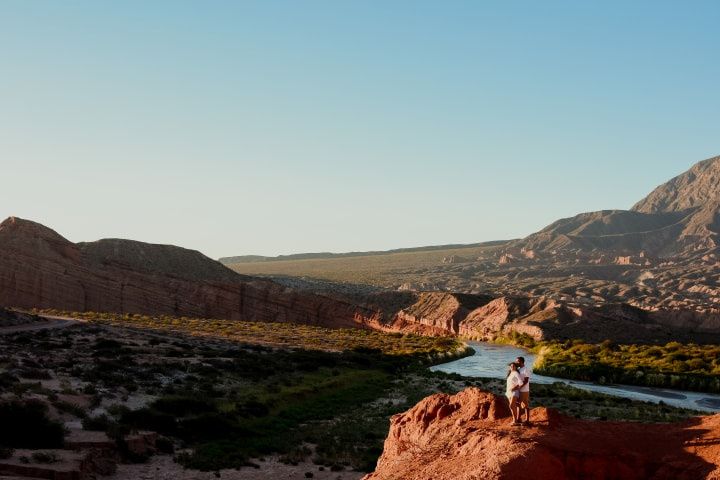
(661, 257)
(41, 269)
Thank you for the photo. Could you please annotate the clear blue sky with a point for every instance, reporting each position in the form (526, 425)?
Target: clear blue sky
(274, 127)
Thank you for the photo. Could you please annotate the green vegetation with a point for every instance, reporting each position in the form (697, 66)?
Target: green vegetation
(227, 394)
(225, 391)
(519, 340)
(234, 404)
(282, 334)
(580, 403)
(673, 365)
(25, 424)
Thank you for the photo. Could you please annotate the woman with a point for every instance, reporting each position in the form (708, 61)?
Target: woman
(512, 391)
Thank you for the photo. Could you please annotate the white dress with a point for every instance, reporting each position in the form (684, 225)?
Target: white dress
(512, 380)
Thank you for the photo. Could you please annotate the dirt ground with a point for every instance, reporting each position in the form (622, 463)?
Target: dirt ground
(162, 467)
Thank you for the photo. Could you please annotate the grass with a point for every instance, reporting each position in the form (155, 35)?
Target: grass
(25, 424)
(279, 334)
(673, 365)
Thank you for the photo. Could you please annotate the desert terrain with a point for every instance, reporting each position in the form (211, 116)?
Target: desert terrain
(123, 359)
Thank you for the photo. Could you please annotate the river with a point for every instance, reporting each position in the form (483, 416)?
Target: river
(490, 360)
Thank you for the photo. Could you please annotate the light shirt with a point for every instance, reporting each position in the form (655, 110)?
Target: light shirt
(524, 374)
(513, 379)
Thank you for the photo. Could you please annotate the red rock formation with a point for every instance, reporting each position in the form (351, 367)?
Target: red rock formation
(468, 437)
(438, 312)
(39, 268)
(500, 317)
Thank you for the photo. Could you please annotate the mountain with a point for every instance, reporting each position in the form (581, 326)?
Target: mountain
(660, 257)
(679, 216)
(41, 269)
(697, 187)
(468, 436)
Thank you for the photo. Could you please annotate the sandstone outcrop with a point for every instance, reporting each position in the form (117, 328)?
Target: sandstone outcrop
(481, 317)
(39, 268)
(440, 312)
(467, 436)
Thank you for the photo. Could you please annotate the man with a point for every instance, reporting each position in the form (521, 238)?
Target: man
(524, 390)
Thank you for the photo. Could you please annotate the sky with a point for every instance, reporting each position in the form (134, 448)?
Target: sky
(275, 127)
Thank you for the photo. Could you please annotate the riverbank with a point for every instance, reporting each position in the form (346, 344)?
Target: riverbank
(490, 361)
(673, 365)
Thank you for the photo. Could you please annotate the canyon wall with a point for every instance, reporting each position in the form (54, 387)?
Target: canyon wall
(41, 269)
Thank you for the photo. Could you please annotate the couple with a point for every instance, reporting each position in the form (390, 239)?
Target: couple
(518, 391)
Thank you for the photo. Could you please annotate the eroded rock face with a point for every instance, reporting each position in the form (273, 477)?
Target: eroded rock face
(439, 311)
(39, 268)
(480, 317)
(467, 436)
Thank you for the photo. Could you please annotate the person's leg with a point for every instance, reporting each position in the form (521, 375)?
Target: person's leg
(513, 409)
(525, 403)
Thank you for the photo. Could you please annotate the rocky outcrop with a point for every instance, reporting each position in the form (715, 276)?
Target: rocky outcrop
(440, 312)
(467, 436)
(691, 189)
(39, 268)
(480, 317)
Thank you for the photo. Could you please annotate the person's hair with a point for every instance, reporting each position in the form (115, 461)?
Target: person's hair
(510, 369)
(522, 359)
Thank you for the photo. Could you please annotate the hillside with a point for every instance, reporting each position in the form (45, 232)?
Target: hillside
(41, 269)
(694, 188)
(678, 217)
(659, 256)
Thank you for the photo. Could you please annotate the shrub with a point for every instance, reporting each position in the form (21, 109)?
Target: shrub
(44, 457)
(25, 424)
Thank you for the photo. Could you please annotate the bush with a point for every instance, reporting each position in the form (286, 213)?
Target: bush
(25, 424)
(164, 445)
(44, 457)
(100, 423)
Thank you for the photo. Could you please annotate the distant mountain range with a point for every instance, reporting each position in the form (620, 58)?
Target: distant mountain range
(324, 255)
(646, 274)
(661, 255)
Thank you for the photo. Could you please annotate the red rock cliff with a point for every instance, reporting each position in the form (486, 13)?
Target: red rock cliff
(39, 268)
(467, 436)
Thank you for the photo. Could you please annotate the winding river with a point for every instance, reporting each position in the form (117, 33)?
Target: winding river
(490, 360)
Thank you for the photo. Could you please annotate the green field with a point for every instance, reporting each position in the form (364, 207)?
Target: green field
(673, 365)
